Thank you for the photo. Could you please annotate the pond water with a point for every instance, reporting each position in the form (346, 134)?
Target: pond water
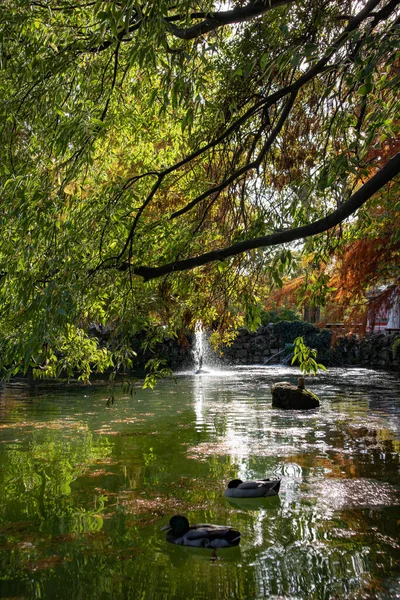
(85, 488)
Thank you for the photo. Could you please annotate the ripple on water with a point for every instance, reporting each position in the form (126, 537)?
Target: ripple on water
(340, 494)
(99, 484)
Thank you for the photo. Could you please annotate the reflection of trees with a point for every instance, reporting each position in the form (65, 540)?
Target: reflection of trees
(333, 441)
(66, 537)
(353, 451)
(36, 476)
(313, 561)
(37, 495)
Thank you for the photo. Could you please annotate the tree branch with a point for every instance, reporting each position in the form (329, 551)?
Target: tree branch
(360, 197)
(291, 89)
(246, 168)
(228, 17)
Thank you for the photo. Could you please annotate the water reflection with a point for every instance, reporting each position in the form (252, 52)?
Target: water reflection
(84, 489)
(271, 503)
(198, 395)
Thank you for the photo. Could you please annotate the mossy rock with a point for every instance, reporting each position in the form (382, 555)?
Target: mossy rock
(290, 397)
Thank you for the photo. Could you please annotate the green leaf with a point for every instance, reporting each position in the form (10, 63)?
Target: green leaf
(263, 61)
(365, 89)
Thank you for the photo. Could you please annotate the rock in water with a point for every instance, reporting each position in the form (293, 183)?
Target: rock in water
(288, 396)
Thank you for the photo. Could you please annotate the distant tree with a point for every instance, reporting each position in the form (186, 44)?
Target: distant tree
(142, 141)
(358, 274)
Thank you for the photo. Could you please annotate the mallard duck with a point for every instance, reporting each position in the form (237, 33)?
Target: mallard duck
(259, 488)
(201, 535)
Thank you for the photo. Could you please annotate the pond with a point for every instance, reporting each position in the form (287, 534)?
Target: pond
(86, 486)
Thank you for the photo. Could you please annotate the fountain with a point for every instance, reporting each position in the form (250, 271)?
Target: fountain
(205, 359)
(198, 350)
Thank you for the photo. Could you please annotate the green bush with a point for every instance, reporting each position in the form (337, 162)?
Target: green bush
(319, 339)
(275, 316)
(288, 331)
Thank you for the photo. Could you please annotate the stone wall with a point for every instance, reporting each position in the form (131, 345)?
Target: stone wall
(177, 354)
(273, 344)
(262, 346)
(374, 350)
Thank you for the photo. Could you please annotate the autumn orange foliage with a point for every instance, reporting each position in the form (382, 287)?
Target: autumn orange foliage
(364, 276)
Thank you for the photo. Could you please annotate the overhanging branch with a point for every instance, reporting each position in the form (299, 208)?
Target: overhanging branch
(319, 67)
(360, 197)
(228, 17)
(246, 168)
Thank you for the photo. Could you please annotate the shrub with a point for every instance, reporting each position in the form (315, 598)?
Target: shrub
(288, 331)
(275, 316)
(319, 339)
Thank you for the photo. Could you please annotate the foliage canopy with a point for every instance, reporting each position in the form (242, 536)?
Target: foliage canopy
(160, 159)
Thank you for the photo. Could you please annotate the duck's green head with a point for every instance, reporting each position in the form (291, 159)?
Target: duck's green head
(234, 483)
(179, 525)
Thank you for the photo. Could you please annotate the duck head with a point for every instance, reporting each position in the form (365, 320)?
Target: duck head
(178, 524)
(234, 483)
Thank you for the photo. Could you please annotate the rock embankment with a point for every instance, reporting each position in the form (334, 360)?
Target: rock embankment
(373, 350)
(263, 346)
(273, 344)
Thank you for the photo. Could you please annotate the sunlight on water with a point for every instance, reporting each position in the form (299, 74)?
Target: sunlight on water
(85, 488)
